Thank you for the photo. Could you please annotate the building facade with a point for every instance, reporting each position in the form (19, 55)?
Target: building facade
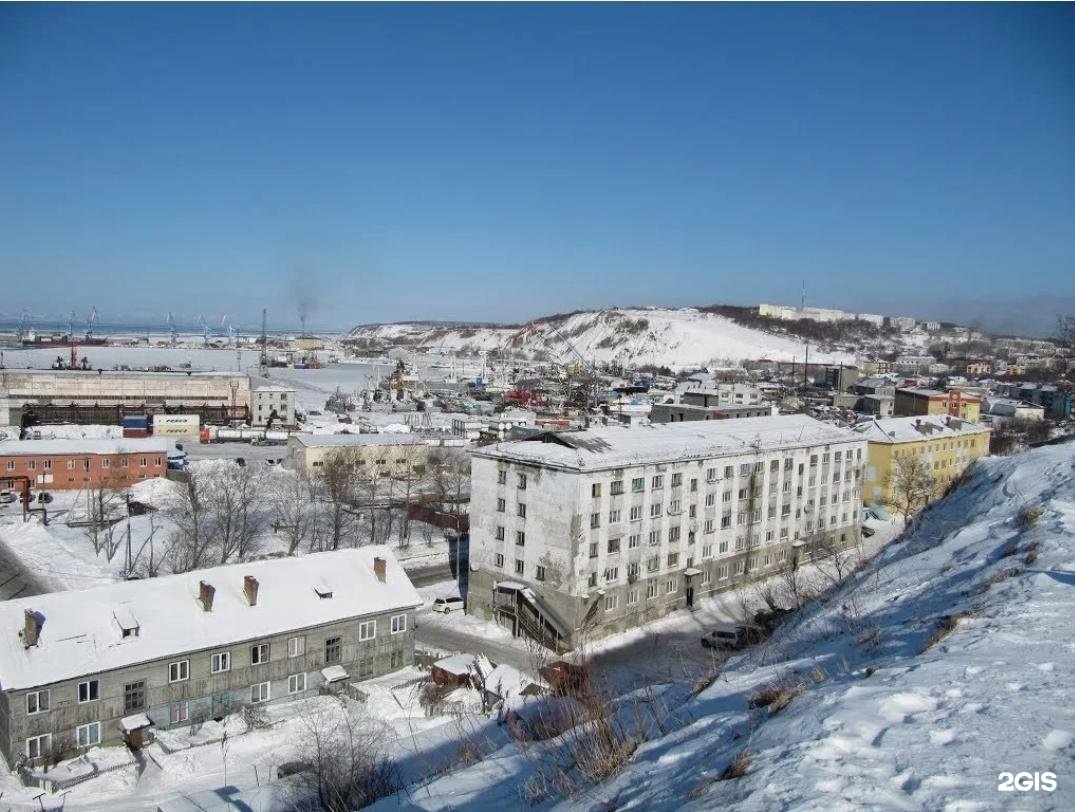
(932, 402)
(680, 412)
(389, 455)
(582, 534)
(82, 464)
(272, 404)
(107, 665)
(947, 445)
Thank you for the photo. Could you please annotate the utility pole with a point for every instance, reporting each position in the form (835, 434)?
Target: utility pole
(263, 361)
(802, 312)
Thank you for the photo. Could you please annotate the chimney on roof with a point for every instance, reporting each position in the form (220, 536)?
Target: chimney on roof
(379, 565)
(205, 595)
(918, 422)
(250, 589)
(29, 629)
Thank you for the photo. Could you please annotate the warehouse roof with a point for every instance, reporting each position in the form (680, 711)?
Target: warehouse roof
(914, 429)
(81, 631)
(32, 448)
(616, 447)
(350, 440)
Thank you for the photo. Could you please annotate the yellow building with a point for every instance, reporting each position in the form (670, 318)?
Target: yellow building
(388, 455)
(931, 402)
(947, 444)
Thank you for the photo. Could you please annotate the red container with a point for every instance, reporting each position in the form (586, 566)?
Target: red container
(129, 432)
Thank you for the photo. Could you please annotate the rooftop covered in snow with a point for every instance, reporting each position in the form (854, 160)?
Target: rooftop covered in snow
(35, 448)
(915, 429)
(355, 440)
(617, 447)
(82, 631)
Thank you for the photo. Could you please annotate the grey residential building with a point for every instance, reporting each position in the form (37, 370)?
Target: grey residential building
(107, 665)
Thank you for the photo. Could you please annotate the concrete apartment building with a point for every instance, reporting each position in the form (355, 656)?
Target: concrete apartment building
(722, 394)
(582, 534)
(82, 464)
(272, 403)
(103, 396)
(931, 402)
(388, 454)
(947, 444)
(107, 665)
(680, 412)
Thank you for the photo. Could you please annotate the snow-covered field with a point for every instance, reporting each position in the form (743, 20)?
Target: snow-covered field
(678, 338)
(943, 663)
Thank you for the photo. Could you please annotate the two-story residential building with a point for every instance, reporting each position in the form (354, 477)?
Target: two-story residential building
(384, 454)
(82, 464)
(947, 444)
(921, 402)
(579, 534)
(108, 664)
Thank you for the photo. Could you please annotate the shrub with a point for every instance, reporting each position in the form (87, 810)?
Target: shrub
(775, 696)
(738, 768)
(945, 627)
(1028, 516)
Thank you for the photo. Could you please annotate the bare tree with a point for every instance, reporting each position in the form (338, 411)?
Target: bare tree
(1065, 329)
(234, 508)
(410, 477)
(835, 561)
(148, 560)
(337, 486)
(296, 514)
(105, 507)
(192, 538)
(449, 474)
(911, 485)
(348, 768)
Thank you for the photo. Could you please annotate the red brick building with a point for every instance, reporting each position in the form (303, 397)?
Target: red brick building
(75, 464)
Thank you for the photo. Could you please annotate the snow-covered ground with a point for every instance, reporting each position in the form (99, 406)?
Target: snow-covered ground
(678, 338)
(942, 664)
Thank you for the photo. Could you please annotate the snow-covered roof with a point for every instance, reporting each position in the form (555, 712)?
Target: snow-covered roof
(459, 664)
(273, 388)
(352, 440)
(133, 445)
(616, 447)
(80, 633)
(914, 429)
(509, 682)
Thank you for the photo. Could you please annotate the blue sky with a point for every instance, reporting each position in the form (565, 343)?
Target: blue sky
(488, 162)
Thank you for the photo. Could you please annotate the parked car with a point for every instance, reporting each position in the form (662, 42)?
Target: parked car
(7, 497)
(448, 605)
(730, 636)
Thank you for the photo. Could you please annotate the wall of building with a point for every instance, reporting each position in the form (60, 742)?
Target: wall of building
(388, 458)
(79, 471)
(947, 457)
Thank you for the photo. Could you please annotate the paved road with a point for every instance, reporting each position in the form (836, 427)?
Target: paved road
(15, 580)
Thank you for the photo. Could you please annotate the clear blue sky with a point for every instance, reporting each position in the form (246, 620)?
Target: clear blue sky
(500, 162)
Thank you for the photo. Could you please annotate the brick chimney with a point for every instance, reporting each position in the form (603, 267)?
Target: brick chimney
(250, 589)
(29, 629)
(205, 595)
(379, 565)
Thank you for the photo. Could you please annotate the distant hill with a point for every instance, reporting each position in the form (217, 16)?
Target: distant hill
(680, 338)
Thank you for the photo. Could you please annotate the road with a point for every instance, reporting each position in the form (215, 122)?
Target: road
(15, 580)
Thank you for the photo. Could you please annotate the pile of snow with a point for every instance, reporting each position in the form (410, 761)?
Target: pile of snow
(941, 664)
(678, 338)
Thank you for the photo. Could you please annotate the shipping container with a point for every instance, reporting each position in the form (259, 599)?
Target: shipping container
(136, 421)
(130, 432)
(176, 425)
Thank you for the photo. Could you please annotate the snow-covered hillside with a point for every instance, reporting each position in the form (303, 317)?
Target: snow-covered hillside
(943, 663)
(679, 338)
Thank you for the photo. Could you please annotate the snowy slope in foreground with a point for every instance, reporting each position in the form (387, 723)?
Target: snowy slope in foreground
(885, 721)
(679, 338)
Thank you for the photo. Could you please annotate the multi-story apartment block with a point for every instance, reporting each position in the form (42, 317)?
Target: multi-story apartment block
(272, 404)
(947, 444)
(922, 402)
(723, 394)
(579, 534)
(106, 665)
(82, 464)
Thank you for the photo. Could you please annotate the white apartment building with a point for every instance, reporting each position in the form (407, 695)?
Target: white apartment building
(275, 404)
(582, 534)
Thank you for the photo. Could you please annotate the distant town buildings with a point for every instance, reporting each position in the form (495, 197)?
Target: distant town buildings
(820, 314)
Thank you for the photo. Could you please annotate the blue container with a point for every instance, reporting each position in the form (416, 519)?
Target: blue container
(136, 422)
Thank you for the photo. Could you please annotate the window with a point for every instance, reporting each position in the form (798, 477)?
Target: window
(595, 520)
(611, 601)
(520, 538)
(37, 701)
(500, 533)
(134, 696)
(674, 506)
(539, 573)
(520, 509)
(296, 683)
(654, 537)
(632, 597)
(105, 462)
(632, 571)
(638, 484)
(501, 477)
(261, 692)
(673, 559)
(617, 487)
(722, 572)
(520, 567)
(89, 691)
(613, 545)
(180, 712)
(634, 541)
(710, 499)
(88, 735)
(367, 630)
(677, 480)
(670, 586)
(655, 510)
(220, 662)
(657, 482)
(651, 589)
(498, 560)
(399, 624)
(334, 649)
(142, 463)
(673, 534)
(722, 548)
(31, 465)
(708, 526)
(595, 490)
(636, 513)
(727, 497)
(522, 482)
(124, 462)
(38, 746)
(612, 574)
(592, 580)
(707, 551)
(653, 564)
(259, 654)
(710, 474)
(501, 505)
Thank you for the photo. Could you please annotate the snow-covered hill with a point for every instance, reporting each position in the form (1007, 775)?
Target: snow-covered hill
(943, 663)
(678, 338)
